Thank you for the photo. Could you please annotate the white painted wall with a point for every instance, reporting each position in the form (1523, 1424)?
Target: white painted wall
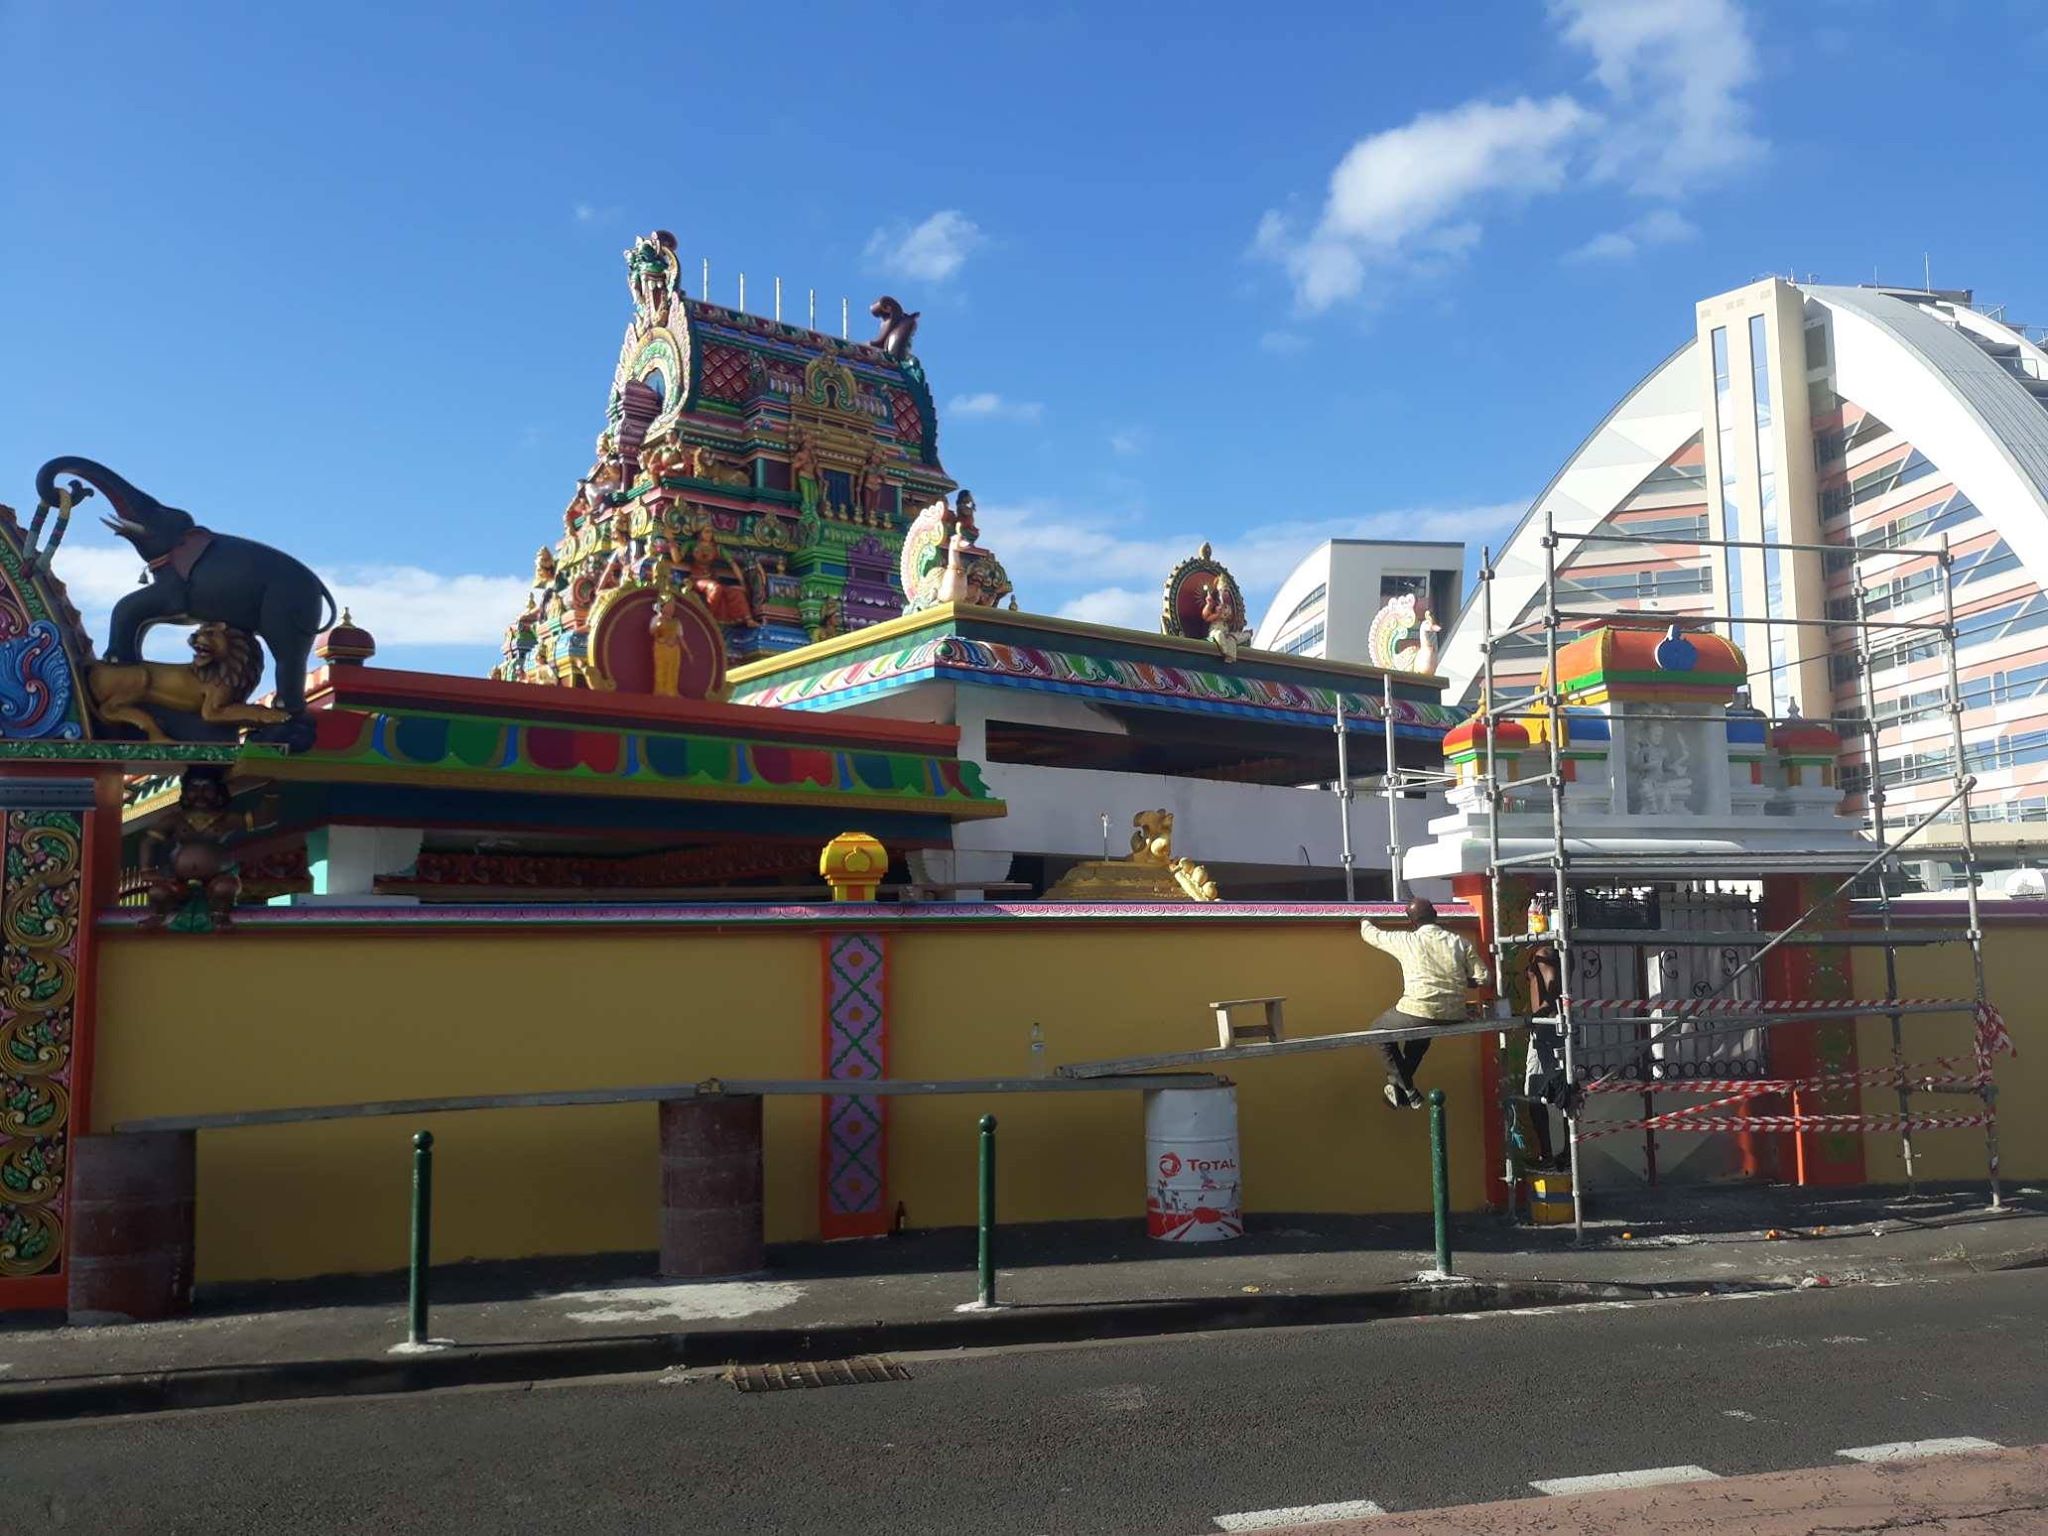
(1058, 812)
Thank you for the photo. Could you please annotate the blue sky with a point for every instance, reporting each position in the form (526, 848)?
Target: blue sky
(349, 279)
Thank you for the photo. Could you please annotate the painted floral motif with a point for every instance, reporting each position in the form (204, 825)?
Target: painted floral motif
(39, 930)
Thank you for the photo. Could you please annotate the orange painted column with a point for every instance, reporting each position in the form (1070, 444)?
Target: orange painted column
(1809, 1049)
(1472, 890)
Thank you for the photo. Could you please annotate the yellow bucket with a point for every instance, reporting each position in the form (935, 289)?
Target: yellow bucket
(1550, 1199)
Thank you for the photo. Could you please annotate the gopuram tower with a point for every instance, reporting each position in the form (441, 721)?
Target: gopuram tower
(764, 470)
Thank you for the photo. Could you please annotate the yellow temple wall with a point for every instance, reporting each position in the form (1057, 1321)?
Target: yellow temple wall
(308, 1015)
(2013, 982)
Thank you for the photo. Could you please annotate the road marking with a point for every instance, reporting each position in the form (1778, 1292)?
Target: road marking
(1913, 1450)
(1300, 1514)
(1602, 1482)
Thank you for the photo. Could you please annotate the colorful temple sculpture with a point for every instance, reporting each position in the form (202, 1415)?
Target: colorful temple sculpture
(1658, 755)
(768, 471)
(1079, 727)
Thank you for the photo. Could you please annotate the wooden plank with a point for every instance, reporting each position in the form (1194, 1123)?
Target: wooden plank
(1129, 1065)
(835, 1087)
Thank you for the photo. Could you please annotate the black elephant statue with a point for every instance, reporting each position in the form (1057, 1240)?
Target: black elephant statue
(198, 576)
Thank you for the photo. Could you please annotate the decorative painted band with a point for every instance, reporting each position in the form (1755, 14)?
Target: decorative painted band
(512, 754)
(1126, 681)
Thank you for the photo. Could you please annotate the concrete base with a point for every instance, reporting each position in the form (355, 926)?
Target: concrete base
(711, 1184)
(132, 1207)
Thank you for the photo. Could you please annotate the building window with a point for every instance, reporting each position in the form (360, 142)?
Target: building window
(1779, 640)
(1816, 347)
(1882, 482)
(1308, 640)
(1724, 435)
(1322, 591)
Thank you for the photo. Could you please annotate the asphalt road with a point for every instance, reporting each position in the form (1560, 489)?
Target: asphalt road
(1148, 1436)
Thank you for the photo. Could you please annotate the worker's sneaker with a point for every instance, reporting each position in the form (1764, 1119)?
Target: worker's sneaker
(1414, 1097)
(1392, 1095)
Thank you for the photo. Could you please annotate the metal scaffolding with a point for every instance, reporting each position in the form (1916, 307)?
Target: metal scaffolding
(1663, 1016)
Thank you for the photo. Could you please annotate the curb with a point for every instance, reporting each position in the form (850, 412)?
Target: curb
(499, 1365)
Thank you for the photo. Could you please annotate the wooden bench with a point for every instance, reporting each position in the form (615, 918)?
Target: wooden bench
(1229, 1032)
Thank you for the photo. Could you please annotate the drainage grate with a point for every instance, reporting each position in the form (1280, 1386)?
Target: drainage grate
(856, 1372)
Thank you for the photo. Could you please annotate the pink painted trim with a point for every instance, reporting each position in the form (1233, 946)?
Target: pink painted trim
(822, 915)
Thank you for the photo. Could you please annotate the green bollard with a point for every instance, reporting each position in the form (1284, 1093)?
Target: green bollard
(422, 1230)
(988, 1211)
(1440, 1180)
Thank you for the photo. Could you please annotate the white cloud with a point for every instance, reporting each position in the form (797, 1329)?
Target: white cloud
(400, 604)
(1676, 71)
(1660, 226)
(1127, 441)
(931, 251)
(990, 406)
(1669, 110)
(1121, 606)
(1407, 194)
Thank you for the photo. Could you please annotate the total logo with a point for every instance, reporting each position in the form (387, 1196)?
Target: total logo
(1170, 1163)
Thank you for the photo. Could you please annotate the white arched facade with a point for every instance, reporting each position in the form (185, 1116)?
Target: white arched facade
(1829, 415)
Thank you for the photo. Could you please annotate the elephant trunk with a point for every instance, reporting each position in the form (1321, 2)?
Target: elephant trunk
(128, 502)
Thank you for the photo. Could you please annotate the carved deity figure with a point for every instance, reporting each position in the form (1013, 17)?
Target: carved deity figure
(1223, 614)
(544, 567)
(870, 486)
(804, 473)
(728, 601)
(197, 863)
(1662, 782)
(665, 631)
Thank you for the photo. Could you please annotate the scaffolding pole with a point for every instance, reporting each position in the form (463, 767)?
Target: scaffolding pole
(1875, 794)
(1344, 798)
(1964, 783)
(1561, 916)
(1394, 885)
(1495, 953)
(1548, 702)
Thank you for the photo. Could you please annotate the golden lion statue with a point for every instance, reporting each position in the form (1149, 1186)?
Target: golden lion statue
(214, 685)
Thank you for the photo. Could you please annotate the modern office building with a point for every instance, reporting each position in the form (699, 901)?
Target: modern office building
(1804, 414)
(1327, 606)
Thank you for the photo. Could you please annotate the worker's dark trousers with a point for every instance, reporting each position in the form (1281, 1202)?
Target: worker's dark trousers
(1404, 1056)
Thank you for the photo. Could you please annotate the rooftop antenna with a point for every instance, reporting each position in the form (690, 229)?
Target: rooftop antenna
(1926, 272)
(814, 309)
(743, 293)
(706, 289)
(844, 327)
(778, 300)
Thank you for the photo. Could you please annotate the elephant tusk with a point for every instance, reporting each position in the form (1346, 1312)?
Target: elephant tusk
(126, 527)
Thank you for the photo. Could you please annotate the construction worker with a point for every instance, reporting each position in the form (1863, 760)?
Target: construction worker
(1543, 1080)
(1436, 968)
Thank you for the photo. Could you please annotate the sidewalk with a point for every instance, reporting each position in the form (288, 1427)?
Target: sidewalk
(1059, 1283)
(1993, 1493)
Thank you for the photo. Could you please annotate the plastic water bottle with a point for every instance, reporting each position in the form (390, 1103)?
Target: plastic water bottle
(1037, 1051)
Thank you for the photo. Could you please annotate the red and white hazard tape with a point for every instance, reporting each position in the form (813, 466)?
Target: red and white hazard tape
(1943, 1071)
(1688, 1120)
(1707, 1007)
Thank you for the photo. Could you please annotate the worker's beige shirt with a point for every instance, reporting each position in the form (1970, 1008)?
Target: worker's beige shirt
(1436, 967)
